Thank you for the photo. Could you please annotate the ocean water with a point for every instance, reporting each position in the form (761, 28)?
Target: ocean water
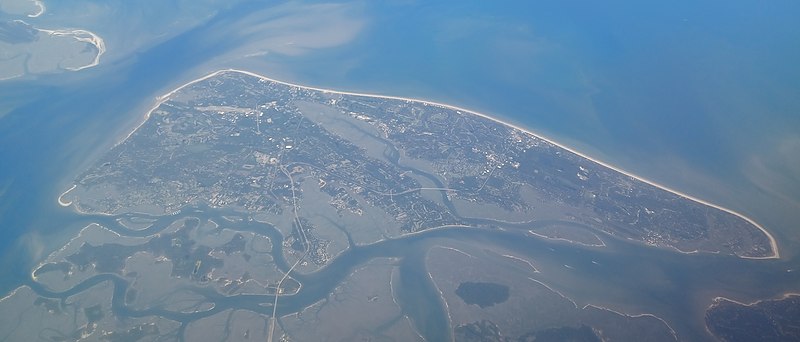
(700, 97)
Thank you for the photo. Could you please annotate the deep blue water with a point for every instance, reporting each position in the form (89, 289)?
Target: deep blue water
(703, 97)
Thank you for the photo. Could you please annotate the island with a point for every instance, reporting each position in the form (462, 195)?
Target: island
(248, 208)
(764, 320)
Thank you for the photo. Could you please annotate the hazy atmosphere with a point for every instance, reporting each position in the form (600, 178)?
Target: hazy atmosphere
(399, 170)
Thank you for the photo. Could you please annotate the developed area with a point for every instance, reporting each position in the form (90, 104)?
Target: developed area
(247, 208)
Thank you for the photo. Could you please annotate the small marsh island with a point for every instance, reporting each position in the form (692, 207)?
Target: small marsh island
(348, 216)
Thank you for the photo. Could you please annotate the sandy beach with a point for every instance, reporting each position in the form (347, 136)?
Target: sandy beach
(674, 334)
(40, 5)
(81, 36)
(772, 241)
(717, 300)
(61, 200)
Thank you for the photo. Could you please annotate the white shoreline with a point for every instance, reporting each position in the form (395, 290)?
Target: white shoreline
(12, 77)
(602, 243)
(13, 292)
(50, 257)
(41, 10)
(772, 241)
(61, 201)
(509, 256)
(77, 34)
(554, 291)
(717, 300)
(441, 293)
(81, 36)
(674, 334)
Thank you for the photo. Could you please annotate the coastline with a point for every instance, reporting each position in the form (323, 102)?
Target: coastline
(542, 236)
(81, 36)
(674, 333)
(772, 241)
(61, 201)
(40, 5)
(163, 98)
(719, 299)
